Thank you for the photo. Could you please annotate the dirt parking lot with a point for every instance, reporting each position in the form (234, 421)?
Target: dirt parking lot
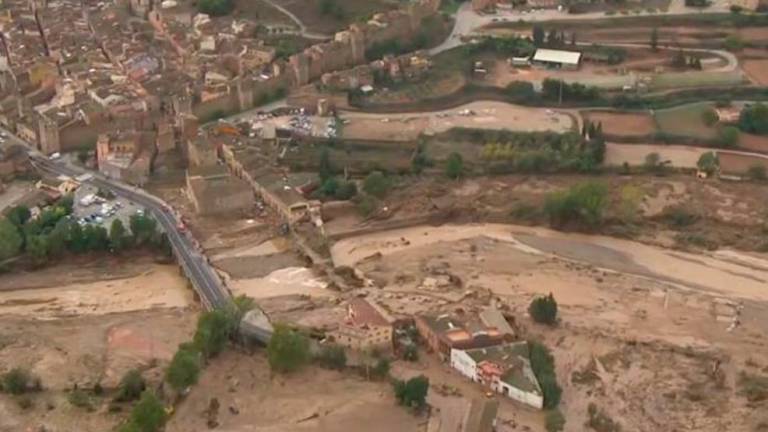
(475, 115)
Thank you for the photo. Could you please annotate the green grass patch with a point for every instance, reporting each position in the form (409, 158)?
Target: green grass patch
(685, 120)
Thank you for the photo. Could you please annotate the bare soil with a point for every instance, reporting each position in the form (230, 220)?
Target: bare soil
(84, 351)
(627, 124)
(642, 328)
(253, 399)
(757, 71)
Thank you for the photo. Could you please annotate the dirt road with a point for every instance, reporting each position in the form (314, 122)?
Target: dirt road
(735, 275)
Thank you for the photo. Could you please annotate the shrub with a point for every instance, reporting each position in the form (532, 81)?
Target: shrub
(367, 205)
(18, 381)
(757, 172)
(729, 137)
(600, 421)
(554, 421)
(582, 205)
(412, 393)
(709, 117)
(543, 310)
(753, 387)
(454, 167)
(520, 91)
(80, 399)
(346, 190)
(24, 402)
(288, 350)
(376, 184)
(131, 386)
(332, 356)
(679, 216)
(381, 368)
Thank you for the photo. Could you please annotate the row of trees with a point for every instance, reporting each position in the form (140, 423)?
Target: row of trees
(55, 232)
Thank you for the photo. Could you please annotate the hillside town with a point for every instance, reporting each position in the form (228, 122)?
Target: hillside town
(390, 215)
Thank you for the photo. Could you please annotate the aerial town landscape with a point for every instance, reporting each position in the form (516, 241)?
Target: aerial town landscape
(384, 215)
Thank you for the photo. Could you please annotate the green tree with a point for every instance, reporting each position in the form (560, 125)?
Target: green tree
(376, 184)
(653, 162)
(118, 236)
(149, 413)
(37, 249)
(708, 162)
(143, 229)
(543, 366)
(581, 205)
(66, 203)
(454, 167)
(729, 137)
(288, 350)
(754, 119)
(10, 240)
(332, 356)
(57, 239)
(131, 386)
(216, 7)
(184, 369)
(629, 206)
(412, 393)
(325, 170)
(655, 39)
(543, 310)
(19, 215)
(76, 240)
(96, 238)
(538, 35)
(213, 331)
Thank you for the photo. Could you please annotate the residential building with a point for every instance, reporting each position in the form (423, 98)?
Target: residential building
(443, 333)
(365, 327)
(505, 369)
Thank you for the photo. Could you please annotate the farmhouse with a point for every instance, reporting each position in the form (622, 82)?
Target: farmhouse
(559, 59)
(364, 327)
(506, 369)
(444, 332)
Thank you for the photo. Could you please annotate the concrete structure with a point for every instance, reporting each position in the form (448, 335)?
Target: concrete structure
(365, 327)
(560, 59)
(212, 190)
(505, 369)
(443, 333)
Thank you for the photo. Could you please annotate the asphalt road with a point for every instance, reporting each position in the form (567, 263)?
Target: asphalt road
(206, 281)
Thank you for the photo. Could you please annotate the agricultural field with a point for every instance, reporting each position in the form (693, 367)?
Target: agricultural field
(757, 71)
(621, 123)
(686, 120)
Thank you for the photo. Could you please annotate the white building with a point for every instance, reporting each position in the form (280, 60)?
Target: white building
(506, 369)
(557, 58)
